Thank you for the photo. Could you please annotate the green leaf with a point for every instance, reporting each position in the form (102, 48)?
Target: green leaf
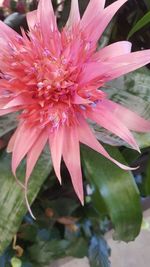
(99, 252)
(140, 24)
(130, 155)
(12, 202)
(78, 248)
(133, 92)
(99, 203)
(28, 232)
(147, 180)
(44, 252)
(7, 123)
(118, 190)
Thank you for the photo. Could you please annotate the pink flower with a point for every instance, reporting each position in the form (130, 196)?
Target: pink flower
(5, 3)
(53, 77)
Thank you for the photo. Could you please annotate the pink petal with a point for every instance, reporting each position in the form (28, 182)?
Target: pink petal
(130, 119)
(10, 149)
(79, 100)
(88, 138)
(9, 110)
(56, 140)
(3, 101)
(48, 25)
(113, 50)
(34, 154)
(46, 16)
(12, 141)
(102, 116)
(92, 71)
(31, 19)
(74, 16)
(126, 63)
(7, 33)
(20, 100)
(96, 26)
(114, 67)
(94, 8)
(25, 138)
(28, 204)
(71, 155)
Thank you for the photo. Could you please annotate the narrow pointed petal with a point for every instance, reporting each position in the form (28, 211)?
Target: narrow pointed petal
(3, 101)
(109, 121)
(126, 63)
(9, 110)
(94, 7)
(130, 119)
(10, 149)
(48, 26)
(12, 141)
(74, 16)
(34, 154)
(32, 19)
(25, 138)
(113, 50)
(56, 140)
(71, 156)
(20, 100)
(28, 205)
(46, 16)
(114, 67)
(7, 33)
(92, 71)
(97, 26)
(87, 137)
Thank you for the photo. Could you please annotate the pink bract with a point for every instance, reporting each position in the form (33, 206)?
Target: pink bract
(53, 79)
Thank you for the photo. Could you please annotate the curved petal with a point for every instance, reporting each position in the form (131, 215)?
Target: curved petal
(48, 26)
(10, 149)
(32, 19)
(97, 25)
(71, 156)
(56, 140)
(74, 16)
(46, 16)
(34, 154)
(113, 50)
(123, 64)
(26, 136)
(106, 119)
(12, 141)
(4, 100)
(114, 67)
(94, 7)
(130, 119)
(92, 71)
(87, 137)
(6, 32)
(9, 110)
(20, 100)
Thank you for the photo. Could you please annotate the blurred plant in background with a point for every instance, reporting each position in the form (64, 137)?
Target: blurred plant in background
(113, 196)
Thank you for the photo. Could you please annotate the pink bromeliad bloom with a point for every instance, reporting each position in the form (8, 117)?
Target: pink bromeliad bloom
(54, 78)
